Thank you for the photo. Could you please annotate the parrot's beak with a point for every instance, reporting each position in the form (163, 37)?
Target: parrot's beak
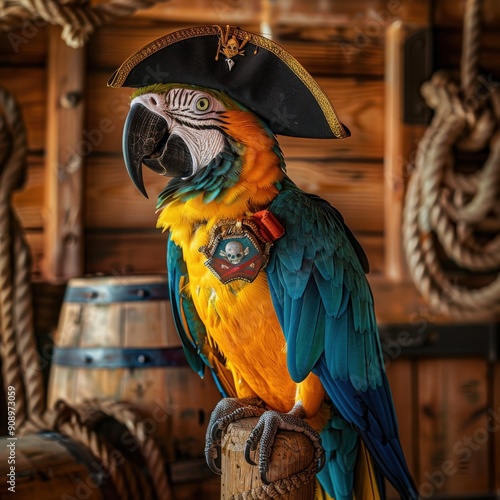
(146, 139)
(142, 134)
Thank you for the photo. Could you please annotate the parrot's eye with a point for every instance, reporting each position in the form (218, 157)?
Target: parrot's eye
(202, 104)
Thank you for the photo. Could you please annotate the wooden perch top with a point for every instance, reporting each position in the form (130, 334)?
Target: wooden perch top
(292, 452)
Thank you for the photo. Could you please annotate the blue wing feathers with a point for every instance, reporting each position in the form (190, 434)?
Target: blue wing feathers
(294, 255)
(176, 270)
(331, 296)
(341, 448)
(338, 274)
(317, 269)
(189, 326)
(384, 447)
(304, 351)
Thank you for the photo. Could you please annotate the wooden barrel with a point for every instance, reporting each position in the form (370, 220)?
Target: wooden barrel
(116, 339)
(49, 465)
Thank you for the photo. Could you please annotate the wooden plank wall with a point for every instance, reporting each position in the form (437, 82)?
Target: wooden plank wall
(119, 224)
(448, 407)
(345, 54)
(441, 403)
(341, 45)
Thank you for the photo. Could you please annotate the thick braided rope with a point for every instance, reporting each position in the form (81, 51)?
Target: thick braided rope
(68, 420)
(452, 120)
(471, 299)
(89, 415)
(22, 367)
(78, 19)
(12, 16)
(445, 208)
(425, 268)
(10, 361)
(25, 333)
(281, 487)
(443, 295)
(128, 416)
(435, 161)
(72, 426)
(470, 47)
(12, 168)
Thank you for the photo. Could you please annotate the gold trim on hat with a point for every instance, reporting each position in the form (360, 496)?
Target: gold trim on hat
(120, 75)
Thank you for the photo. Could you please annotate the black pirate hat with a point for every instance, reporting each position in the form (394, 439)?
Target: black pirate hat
(249, 68)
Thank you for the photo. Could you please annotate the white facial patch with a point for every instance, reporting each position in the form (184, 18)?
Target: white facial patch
(192, 115)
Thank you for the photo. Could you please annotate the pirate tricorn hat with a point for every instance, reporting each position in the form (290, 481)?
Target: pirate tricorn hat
(251, 69)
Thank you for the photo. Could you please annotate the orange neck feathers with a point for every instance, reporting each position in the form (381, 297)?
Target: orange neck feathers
(261, 169)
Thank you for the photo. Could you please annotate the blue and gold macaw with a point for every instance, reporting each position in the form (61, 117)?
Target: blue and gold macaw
(267, 283)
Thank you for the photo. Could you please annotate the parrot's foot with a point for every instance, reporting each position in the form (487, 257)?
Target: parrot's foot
(265, 432)
(227, 411)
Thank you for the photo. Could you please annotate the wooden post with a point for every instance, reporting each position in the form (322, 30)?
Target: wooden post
(401, 139)
(292, 453)
(65, 150)
(494, 423)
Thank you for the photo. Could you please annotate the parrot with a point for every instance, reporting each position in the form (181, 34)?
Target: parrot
(268, 290)
(267, 283)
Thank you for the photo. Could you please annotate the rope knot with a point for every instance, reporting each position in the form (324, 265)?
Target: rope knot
(448, 210)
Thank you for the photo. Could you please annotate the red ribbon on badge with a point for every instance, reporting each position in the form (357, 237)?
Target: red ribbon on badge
(269, 226)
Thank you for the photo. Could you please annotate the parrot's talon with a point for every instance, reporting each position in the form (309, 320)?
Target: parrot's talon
(248, 449)
(216, 432)
(263, 478)
(227, 411)
(211, 462)
(321, 461)
(265, 433)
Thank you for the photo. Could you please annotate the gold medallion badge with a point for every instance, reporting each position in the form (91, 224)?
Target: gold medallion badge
(239, 249)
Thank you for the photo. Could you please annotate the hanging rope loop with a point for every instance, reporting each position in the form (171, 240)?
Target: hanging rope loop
(446, 210)
(78, 18)
(20, 365)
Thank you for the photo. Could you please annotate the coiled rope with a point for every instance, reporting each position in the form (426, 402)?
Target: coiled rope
(78, 18)
(446, 210)
(79, 423)
(281, 487)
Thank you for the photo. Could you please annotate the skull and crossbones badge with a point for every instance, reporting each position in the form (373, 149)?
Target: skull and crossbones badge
(237, 250)
(234, 252)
